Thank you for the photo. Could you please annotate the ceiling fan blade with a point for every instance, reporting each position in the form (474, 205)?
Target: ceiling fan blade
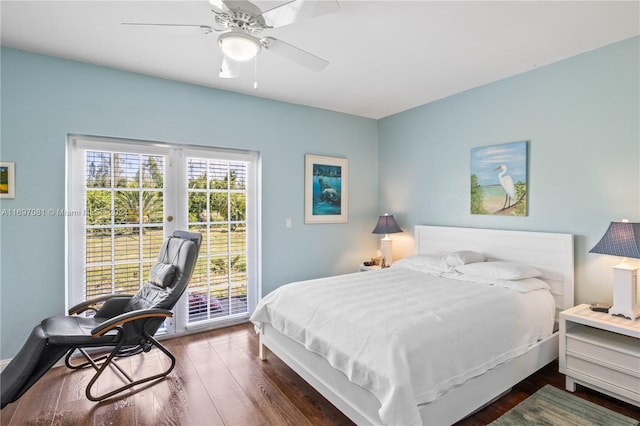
(298, 10)
(242, 5)
(229, 68)
(218, 5)
(295, 54)
(205, 28)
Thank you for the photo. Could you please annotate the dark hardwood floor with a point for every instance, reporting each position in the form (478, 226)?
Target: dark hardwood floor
(219, 380)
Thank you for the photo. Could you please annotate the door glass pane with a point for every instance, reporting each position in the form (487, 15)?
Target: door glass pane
(217, 208)
(98, 173)
(123, 228)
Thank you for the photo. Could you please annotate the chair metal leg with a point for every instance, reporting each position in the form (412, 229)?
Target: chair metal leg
(132, 383)
(101, 363)
(89, 359)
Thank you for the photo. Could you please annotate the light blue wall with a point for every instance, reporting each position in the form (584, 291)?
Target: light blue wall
(581, 116)
(44, 99)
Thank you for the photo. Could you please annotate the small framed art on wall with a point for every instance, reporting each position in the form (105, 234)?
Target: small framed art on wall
(326, 186)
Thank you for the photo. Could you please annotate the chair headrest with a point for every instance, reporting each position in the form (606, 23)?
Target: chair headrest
(193, 236)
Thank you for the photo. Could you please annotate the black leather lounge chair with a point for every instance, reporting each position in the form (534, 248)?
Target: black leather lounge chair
(124, 324)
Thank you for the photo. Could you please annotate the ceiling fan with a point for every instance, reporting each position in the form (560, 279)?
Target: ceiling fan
(240, 24)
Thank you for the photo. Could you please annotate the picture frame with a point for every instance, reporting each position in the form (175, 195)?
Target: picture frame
(326, 185)
(500, 179)
(7, 180)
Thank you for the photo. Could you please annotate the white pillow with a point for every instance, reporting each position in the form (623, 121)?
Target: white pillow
(455, 275)
(499, 270)
(425, 262)
(463, 257)
(524, 285)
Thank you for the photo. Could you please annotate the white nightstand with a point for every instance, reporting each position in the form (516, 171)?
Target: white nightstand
(369, 268)
(601, 352)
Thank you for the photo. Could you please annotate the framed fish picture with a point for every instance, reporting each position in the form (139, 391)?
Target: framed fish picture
(499, 179)
(326, 186)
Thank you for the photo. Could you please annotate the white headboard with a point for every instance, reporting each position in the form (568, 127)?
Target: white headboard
(550, 253)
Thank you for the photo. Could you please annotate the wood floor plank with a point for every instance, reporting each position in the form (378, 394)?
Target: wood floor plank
(219, 380)
(233, 405)
(199, 409)
(155, 402)
(75, 383)
(258, 386)
(169, 401)
(75, 409)
(314, 406)
(41, 402)
(81, 413)
(7, 413)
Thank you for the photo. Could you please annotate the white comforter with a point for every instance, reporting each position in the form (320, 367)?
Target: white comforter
(405, 335)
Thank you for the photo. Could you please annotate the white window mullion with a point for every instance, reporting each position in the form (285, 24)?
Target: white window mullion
(74, 224)
(176, 201)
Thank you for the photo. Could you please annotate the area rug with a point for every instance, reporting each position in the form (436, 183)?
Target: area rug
(554, 407)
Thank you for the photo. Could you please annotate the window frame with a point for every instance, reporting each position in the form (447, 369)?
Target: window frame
(175, 204)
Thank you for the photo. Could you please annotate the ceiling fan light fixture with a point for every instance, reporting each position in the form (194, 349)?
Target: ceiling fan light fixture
(239, 46)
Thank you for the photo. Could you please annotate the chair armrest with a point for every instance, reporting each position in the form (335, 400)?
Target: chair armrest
(128, 317)
(83, 306)
(114, 306)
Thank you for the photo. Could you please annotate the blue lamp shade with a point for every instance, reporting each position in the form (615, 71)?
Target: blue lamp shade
(621, 239)
(386, 225)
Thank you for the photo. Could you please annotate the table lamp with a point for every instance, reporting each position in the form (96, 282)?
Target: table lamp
(623, 239)
(386, 225)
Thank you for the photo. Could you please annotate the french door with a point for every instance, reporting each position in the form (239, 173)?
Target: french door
(125, 197)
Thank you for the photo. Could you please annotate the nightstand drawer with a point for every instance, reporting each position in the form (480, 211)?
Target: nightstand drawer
(600, 351)
(629, 380)
(609, 348)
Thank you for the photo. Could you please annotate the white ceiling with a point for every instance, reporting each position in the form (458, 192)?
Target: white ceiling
(385, 56)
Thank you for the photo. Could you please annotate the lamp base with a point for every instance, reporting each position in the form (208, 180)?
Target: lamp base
(625, 292)
(385, 249)
(630, 313)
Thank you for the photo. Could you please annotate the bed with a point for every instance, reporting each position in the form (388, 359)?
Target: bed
(385, 376)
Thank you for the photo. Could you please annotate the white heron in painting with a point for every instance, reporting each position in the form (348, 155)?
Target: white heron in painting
(507, 184)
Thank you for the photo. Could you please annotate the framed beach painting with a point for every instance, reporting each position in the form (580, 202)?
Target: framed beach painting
(499, 179)
(7, 180)
(326, 185)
